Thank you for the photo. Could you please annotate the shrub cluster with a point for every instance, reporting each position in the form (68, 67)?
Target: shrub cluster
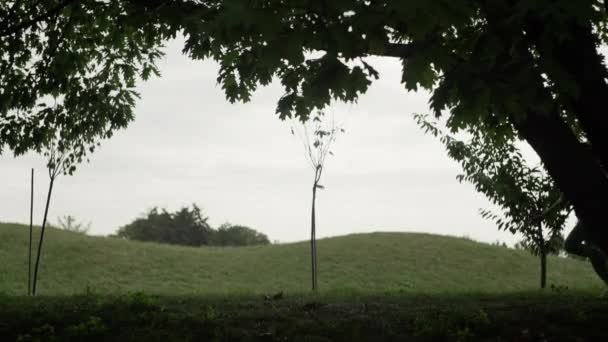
(188, 227)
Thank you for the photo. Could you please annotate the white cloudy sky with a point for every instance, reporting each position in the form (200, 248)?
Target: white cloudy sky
(240, 163)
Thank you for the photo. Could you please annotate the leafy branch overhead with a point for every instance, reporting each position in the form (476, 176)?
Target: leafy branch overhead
(90, 54)
(70, 71)
(501, 173)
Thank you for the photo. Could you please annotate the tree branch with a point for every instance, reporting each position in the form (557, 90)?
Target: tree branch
(41, 17)
(398, 50)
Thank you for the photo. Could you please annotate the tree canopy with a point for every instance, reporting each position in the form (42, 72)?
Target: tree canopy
(527, 69)
(69, 69)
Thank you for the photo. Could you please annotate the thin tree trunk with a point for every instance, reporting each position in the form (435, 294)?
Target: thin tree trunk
(543, 268)
(29, 257)
(46, 211)
(313, 238)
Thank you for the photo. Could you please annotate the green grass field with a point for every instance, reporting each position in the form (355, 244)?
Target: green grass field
(363, 263)
(373, 287)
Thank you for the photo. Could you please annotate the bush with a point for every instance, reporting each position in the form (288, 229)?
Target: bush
(229, 235)
(188, 227)
(185, 227)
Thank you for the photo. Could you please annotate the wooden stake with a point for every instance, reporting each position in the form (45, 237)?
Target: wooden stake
(29, 258)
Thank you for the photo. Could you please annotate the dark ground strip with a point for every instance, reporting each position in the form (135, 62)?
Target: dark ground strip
(138, 317)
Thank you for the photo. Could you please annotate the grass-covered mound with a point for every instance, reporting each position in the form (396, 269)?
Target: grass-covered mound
(361, 263)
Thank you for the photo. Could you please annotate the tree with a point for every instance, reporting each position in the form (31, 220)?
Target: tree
(526, 195)
(86, 56)
(58, 162)
(236, 235)
(70, 224)
(555, 245)
(513, 67)
(187, 226)
(317, 137)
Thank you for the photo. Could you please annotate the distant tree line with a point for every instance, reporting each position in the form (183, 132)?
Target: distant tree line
(188, 227)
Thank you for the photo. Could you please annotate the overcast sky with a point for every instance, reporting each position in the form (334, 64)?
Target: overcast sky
(241, 164)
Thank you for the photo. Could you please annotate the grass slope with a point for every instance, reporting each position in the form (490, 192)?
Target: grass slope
(361, 263)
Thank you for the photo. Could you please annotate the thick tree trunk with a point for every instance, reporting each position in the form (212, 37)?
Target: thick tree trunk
(46, 211)
(313, 239)
(584, 68)
(573, 168)
(576, 171)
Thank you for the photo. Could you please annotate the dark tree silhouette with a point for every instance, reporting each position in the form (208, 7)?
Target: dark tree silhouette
(187, 226)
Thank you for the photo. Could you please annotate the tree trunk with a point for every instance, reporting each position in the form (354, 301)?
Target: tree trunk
(543, 268)
(572, 167)
(29, 257)
(576, 171)
(584, 67)
(46, 211)
(313, 239)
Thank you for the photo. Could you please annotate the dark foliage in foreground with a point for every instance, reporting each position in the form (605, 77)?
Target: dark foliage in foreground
(137, 317)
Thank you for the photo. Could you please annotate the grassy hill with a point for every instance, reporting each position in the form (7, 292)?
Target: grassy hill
(361, 263)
